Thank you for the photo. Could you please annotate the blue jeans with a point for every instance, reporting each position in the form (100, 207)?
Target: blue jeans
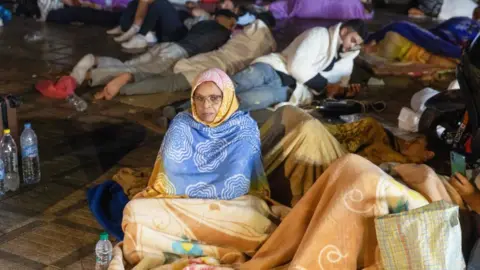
(161, 17)
(258, 87)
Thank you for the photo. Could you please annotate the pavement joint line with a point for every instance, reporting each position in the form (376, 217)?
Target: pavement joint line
(5, 255)
(76, 226)
(20, 231)
(73, 207)
(75, 256)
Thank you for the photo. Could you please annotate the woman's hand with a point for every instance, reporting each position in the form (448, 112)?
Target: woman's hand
(463, 187)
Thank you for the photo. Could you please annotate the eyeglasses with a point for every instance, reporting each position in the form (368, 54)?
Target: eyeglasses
(212, 99)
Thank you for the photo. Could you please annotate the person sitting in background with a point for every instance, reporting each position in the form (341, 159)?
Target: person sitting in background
(253, 41)
(320, 59)
(205, 36)
(144, 16)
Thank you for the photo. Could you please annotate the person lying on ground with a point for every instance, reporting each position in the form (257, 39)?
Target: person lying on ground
(319, 61)
(444, 9)
(205, 36)
(243, 47)
(245, 14)
(144, 16)
(406, 42)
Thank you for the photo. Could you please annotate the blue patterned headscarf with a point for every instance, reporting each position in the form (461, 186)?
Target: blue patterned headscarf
(197, 161)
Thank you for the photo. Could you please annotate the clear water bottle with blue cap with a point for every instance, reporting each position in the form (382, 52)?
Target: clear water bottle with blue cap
(30, 157)
(103, 252)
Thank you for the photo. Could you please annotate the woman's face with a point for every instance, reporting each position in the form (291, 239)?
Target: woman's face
(208, 99)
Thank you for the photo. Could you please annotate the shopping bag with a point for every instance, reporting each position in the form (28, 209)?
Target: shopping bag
(428, 237)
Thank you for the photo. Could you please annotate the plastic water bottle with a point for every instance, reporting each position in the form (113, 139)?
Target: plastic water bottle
(8, 149)
(30, 158)
(103, 252)
(2, 178)
(78, 103)
(34, 36)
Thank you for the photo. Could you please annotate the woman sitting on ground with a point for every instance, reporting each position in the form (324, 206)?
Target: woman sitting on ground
(407, 42)
(209, 164)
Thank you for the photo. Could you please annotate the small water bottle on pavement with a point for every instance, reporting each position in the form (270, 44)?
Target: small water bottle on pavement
(33, 37)
(2, 178)
(30, 157)
(103, 252)
(8, 149)
(77, 102)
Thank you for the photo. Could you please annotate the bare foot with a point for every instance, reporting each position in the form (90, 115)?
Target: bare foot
(113, 87)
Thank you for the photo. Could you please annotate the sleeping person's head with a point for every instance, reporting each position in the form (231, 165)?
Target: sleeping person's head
(267, 18)
(353, 33)
(226, 18)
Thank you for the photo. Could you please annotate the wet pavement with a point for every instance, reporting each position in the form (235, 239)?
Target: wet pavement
(49, 225)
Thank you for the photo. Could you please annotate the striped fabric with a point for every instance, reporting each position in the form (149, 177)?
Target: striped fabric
(424, 238)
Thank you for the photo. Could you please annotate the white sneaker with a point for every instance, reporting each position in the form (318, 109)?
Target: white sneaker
(137, 42)
(151, 38)
(45, 6)
(81, 68)
(127, 35)
(115, 31)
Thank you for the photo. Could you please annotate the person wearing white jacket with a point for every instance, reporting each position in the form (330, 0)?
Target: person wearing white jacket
(317, 61)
